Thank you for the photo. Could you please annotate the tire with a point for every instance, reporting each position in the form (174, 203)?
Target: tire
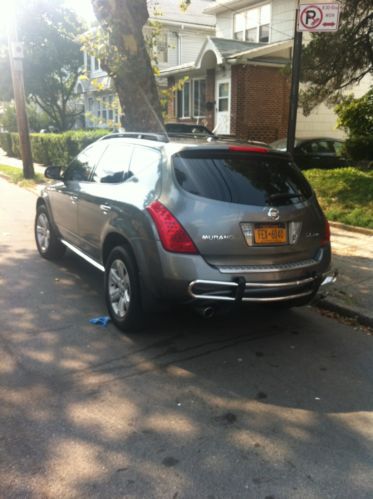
(122, 290)
(47, 242)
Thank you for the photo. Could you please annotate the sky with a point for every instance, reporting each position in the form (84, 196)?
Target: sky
(82, 7)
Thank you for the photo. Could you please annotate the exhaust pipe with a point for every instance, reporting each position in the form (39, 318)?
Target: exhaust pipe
(206, 312)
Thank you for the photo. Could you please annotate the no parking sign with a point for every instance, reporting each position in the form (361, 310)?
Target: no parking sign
(318, 17)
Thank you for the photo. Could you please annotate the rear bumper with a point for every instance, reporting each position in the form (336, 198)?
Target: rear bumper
(182, 278)
(242, 291)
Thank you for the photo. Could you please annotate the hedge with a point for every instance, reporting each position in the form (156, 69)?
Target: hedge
(51, 148)
(360, 148)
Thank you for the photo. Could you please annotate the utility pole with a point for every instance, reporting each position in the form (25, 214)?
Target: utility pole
(295, 75)
(16, 67)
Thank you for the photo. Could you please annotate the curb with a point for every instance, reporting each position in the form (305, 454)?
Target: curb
(351, 228)
(362, 319)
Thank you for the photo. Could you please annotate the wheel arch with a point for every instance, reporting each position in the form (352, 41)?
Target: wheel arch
(112, 240)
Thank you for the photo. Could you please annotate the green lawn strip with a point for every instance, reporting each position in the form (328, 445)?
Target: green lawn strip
(15, 175)
(345, 194)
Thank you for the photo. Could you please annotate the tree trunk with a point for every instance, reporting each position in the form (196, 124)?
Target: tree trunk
(132, 75)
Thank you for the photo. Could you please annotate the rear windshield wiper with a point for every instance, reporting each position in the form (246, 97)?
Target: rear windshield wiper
(283, 195)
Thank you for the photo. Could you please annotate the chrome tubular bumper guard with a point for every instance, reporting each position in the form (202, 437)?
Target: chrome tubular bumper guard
(234, 291)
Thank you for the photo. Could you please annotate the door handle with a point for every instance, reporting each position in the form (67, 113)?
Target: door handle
(105, 208)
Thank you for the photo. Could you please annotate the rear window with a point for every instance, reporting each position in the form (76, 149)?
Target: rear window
(241, 178)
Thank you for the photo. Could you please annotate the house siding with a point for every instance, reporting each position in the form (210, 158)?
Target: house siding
(224, 25)
(283, 20)
(260, 103)
(191, 44)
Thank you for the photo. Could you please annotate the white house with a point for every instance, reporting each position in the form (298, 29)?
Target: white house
(179, 39)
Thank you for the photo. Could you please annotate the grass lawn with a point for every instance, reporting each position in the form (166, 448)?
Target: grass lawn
(345, 194)
(15, 175)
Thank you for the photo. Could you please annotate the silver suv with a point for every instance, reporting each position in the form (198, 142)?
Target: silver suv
(204, 224)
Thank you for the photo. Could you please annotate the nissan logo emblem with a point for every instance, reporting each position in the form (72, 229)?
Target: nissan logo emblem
(274, 213)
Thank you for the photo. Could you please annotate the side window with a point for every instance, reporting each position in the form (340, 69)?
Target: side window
(81, 167)
(145, 164)
(113, 166)
(316, 147)
(338, 148)
(324, 146)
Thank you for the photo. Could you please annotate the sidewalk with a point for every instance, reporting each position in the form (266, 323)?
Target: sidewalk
(352, 294)
(5, 160)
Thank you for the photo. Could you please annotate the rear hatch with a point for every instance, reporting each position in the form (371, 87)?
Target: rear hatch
(246, 206)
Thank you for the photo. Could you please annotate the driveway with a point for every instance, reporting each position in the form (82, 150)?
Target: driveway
(260, 405)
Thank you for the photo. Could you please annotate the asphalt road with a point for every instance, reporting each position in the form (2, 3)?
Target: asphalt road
(263, 405)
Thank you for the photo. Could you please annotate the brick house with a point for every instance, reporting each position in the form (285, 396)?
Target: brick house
(235, 88)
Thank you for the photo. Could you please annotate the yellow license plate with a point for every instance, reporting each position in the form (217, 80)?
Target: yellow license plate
(270, 234)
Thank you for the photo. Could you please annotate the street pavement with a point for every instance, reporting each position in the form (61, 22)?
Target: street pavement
(255, 405)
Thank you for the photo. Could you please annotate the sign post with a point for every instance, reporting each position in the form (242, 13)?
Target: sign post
(294, 90)
(314, 18)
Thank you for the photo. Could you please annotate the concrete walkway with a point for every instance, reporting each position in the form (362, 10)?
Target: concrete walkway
(352, 294)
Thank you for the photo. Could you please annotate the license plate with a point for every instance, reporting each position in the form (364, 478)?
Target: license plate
(270, 234)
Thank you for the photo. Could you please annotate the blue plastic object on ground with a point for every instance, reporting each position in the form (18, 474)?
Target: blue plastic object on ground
(101, 321)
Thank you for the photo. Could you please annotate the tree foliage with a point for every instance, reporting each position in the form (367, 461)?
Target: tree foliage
(53, 59)
(332, 62)
(355, 116)
(37, 120)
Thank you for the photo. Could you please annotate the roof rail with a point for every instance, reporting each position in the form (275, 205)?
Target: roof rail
(137, 135)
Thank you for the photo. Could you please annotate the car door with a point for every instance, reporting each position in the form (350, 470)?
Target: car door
(316, 153)
(96, 197)
(64, 196)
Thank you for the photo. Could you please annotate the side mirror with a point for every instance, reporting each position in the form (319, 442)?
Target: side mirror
(53, 173)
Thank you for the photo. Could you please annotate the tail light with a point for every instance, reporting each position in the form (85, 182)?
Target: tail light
(173, 236)
(326, 238)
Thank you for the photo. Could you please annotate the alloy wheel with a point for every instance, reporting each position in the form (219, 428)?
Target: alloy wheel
(119, 288)
(43, 232)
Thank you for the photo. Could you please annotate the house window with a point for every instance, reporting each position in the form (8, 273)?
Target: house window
(199, 98)
(223, 97)
(253, 25)
(161, 48)
(183, 101)
(104, 109)
(191, 99)
(111, 108)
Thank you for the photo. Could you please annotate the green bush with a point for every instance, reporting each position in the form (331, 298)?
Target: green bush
(6, 143)
(360, 148)
(355, 116)
(51, 148)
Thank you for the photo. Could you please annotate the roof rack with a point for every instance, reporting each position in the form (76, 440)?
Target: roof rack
(137, 135)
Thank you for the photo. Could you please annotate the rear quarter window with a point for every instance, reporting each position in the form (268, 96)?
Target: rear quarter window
(254, 179)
